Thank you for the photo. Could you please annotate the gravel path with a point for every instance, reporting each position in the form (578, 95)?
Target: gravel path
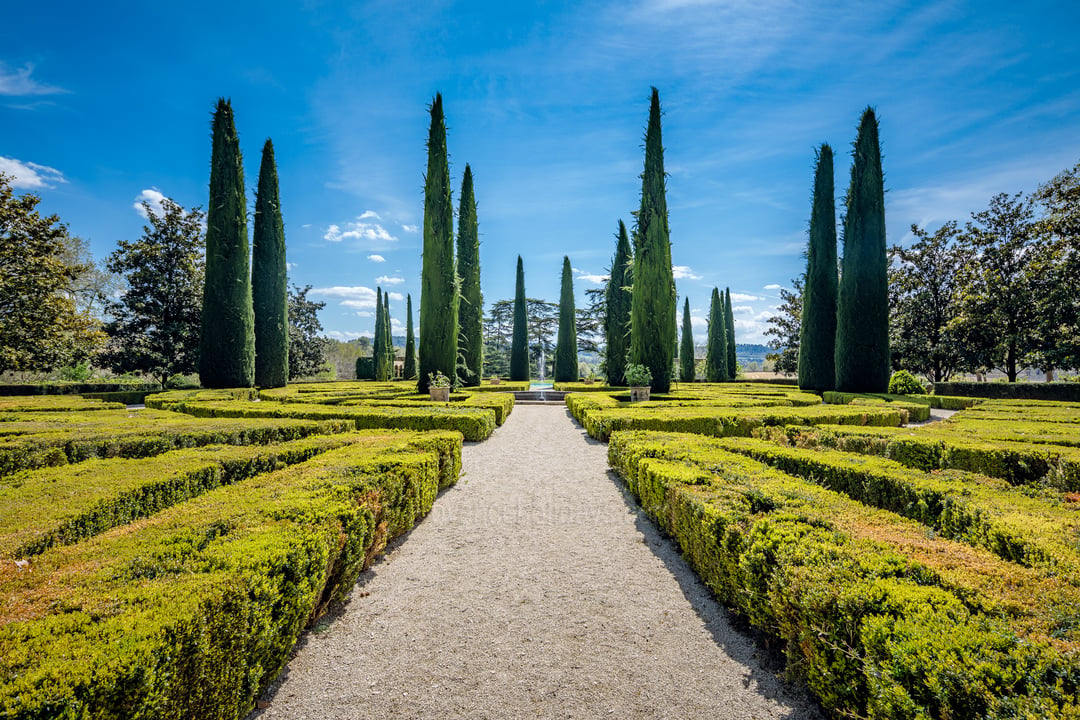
(533, 589)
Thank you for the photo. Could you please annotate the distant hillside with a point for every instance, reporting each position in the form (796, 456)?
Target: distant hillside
(751, 351)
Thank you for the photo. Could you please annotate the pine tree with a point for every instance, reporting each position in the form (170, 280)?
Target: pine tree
(410, 342)
(652, 324)
(471, 310)
(269, 291)
(729, 336)
(817, 334)
(519, 345)
(617, 319)
(862, 316)
(378, 342)
(566, 362)
(227, 343)
(686, 351)
(716, 369)
(438, 283)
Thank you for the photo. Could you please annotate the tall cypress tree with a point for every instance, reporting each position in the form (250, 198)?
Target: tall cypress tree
(716, 369)
(862, 315)
(652, 323)
(471, 310)
(566, 362)
(227, 341)
(817, 332)
(410, 342)
(438, 284)
(519, 345)
(729, 336)
(686, 350)
(617, 320)
(269, 291)
(388, 337)
(378, 342)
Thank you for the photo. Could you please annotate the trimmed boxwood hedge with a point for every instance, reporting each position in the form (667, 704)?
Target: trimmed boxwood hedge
(55, 403)
(882, 619)
(1062, 391)
(194, 614)
(71, 388)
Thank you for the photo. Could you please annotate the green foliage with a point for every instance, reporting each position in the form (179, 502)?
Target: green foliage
(686, 350)
(519, 351)
(653, 301)
(817, 331)
(307, 346)
(379, 354)
(904, 383)
(1059, 301)
(716, 356)
(1060, 391)
(862, 316)
(409, 370)
(786, 329)
(438, 380)
(365, 367)
(41, 327)
(729, 336)
(638, 375)
(566, 358)
(438, 279)
(269, 285)
(227, 334)
(618, 304)
(471, 310)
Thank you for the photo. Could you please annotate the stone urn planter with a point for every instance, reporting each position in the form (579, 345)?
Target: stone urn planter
(639, 393)
(588, 381)
(439, 394)
(495, 381)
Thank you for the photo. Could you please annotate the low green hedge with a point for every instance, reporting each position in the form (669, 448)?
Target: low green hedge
(72, 388)
(938, 402)
(507, 386)
(76, 437)
(881, 619)
(126, 397)
(59, 506)
(195, 613)
(55, 403)
(961, 506)
(473, 423)
(1062, 391)
(174, 399)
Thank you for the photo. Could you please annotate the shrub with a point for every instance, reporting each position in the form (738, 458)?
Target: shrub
(638, 375)
(904, 383)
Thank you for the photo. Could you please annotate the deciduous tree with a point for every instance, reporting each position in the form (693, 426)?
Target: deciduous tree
(785, 329)
(307, 346)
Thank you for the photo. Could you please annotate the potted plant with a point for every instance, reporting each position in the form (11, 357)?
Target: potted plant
(495, 380)
(640, 379)
(589, 379)
(439, 387)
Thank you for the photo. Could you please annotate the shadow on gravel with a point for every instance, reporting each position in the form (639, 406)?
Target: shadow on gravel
(761, 656)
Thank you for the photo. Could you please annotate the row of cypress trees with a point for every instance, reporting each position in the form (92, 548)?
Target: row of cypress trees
(451, 306)
(844, 335)
(382, 343)
(245, 323)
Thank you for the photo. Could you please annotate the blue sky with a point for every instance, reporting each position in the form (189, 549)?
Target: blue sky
(102, 104)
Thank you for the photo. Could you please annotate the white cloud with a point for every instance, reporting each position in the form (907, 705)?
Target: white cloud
(290, 266)
(19, 83)
(683, 272)
(396, 324)
(357, 296)
(591, 278)
(152, 197)
(376, 258)
(387, 280)
(361, 230)
(396, 297)
(346, 336)
(306, 225)
(773, 286)
(410, 228)
(369, 214)
(742, 297)
(364, 313)
(742, 309)
(30, 176)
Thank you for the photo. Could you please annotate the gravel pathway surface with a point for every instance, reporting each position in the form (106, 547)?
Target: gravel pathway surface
(535, 588)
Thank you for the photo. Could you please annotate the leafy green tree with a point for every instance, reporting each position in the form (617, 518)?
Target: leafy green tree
(785, 328)
(716, 369)
(438, 279)
(566, 361)
(618, 301)
(1000, 285)
(227, 347)
(498, 333)
(410, 342)
(590, 321)
(817, 334)
(924, 301)
(1060, 263)
(269, 284)
(729, 336)
(519, 350)
(686, 352)
(307, 346)
(471, 310)
(41, 326)
(154, 325)
(862, 316)
(543, 324)
(652, 324)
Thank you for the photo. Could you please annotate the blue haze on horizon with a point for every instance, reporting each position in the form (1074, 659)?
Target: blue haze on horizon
(105, 105)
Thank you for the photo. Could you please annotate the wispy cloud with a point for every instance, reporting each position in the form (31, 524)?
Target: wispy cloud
(410, 228)
(365, 230)
(683, 272)
(591, 278)
(346, 335)
(773, 286)
(396, 297)
(350, 296)
(743, 297)
(17, 82)
(30, 176)
(376, 258)
(387, 280)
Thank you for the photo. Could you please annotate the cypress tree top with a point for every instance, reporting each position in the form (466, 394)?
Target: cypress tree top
(410, 342)
(862, 329)
(686, 350)
(227, 347)
(519, 351)
(817, 331)
(729, 336)
(716, 369)
(268, 279)
(566, 359)
(471, 310)
(617, 300)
